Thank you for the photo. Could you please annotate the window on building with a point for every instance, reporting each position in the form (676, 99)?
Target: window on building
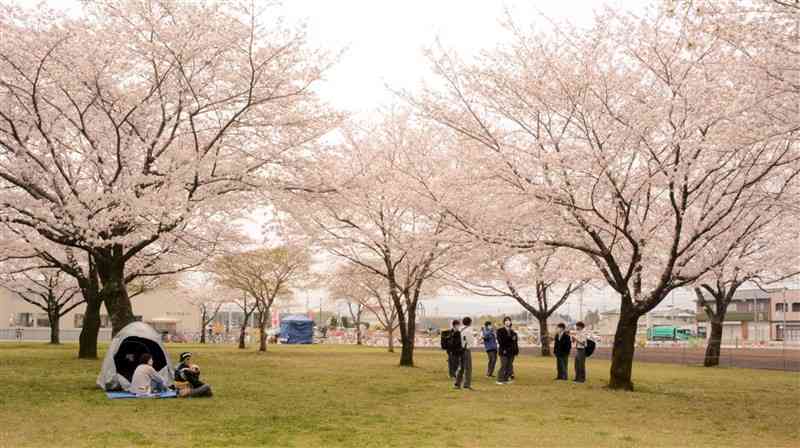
(78, 321)
(42, 320)
(796, 307)
(779, 332)
(779, 307)
(23, 320)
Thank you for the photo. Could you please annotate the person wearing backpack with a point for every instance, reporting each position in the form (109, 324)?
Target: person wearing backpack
(451, 342)
(508, 349)
(561, 348)
(464, 373)
(490, 345)
(581, 339)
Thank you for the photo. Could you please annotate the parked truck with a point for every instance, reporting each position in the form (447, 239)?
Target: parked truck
(668, 333)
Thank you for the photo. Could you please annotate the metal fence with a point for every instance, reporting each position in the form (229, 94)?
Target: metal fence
(43, 334)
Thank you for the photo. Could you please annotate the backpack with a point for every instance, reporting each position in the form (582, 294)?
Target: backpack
(445, 339)
(590, 346)
(454, 341)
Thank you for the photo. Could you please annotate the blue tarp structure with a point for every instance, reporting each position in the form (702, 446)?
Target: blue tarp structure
(297, 329)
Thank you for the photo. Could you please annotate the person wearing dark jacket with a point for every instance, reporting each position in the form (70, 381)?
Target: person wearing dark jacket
(561, 348)
(453, 356)
(187, 378)
(508, 349)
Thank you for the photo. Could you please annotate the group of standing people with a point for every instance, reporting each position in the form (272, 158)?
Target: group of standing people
(460, 339)
(504, 343)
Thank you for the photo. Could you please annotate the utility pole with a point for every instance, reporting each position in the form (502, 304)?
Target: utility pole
(580, 305)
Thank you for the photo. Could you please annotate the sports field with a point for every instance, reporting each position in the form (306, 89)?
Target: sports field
(309, 396)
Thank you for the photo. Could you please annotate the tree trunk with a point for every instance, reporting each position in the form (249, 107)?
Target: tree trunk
(262, 328)
(55, 327)
(242, 333)
(544, 335)
(391, 340)
(203, 323)
(714, 346)
(358, 331)
(115, 294)
(87, 344)
(407, 338)
(622, 355)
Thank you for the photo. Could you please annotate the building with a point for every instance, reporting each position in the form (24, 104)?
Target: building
(785, 315)
(167, 310)
(756, 316)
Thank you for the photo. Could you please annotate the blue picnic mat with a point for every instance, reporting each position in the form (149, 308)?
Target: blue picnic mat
(115, 395)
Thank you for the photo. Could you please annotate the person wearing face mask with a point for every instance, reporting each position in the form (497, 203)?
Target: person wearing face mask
(146, 380)
(507, 348)
(561, 348)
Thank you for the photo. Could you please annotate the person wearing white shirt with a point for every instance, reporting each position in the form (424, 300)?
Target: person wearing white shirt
(464, 373)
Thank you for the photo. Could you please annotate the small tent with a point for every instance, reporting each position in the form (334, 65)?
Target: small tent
(297, 329)
(123, 354)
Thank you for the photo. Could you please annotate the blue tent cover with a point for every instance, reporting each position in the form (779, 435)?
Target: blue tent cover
(297, 329)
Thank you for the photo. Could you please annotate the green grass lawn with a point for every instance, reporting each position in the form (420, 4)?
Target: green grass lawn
(310, 396)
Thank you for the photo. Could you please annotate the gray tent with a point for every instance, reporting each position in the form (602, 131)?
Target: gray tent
(123, 355)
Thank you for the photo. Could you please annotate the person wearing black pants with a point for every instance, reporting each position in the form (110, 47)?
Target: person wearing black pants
(561, 347)
(453, 356)
(580, 353)
(508, 349)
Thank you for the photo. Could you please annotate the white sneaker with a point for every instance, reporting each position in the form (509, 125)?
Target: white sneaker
(500, 382)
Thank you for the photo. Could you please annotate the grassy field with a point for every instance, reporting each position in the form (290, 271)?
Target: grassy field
(311, 396)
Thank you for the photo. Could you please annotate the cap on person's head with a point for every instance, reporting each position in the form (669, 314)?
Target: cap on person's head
(455, 322)
(467, 321)
(487, 323)
(580, 324)
(561, 325)
(185, 355)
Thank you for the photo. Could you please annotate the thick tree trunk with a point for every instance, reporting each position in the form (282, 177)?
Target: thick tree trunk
(242, 334)
(115, 294)
(544, 335)
(408, 339)
(203, 323)
(87, 344)
(55, 328)
(622, 355)
(358, 331)
(714, 344)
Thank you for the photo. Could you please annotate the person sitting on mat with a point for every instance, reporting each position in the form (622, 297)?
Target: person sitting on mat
(187, 378)
(146, 381)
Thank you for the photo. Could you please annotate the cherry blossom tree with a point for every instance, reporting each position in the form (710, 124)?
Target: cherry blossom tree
(368, 209)
(637, 143)
(134, 120)
(262, 275)
(51, 290)
(540, 282)
(763, 260)
(24, 248)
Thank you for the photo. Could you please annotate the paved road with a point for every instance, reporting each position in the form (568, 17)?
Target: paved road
(772, 359)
